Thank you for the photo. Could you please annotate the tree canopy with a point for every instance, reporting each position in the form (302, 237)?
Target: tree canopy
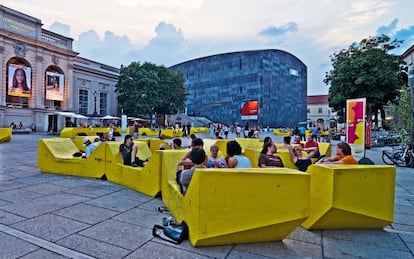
(366, 69)
(149, 88)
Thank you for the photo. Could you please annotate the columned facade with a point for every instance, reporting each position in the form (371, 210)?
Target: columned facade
(39, 71)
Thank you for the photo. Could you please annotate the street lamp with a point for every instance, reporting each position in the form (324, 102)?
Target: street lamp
(94, 99)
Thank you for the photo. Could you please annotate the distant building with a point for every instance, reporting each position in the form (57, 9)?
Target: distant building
(55, 78)
(408, 56)
(262, 87)
(318, 110)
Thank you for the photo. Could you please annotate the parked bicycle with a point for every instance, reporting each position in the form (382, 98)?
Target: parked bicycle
(402, 157)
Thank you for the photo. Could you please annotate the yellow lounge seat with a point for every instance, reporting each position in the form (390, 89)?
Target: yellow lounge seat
(55, 155)
(195, 130)
(5, 134)
(351, 196)
(145, 179)
(229, 206)
(154, 144)
(281, 132)
(147, 132)
(78, 141)
(254, 153)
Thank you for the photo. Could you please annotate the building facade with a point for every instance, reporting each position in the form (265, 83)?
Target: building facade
(261, 87)
(42, 75)
(319, 112)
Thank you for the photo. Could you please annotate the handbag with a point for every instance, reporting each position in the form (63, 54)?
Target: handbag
(175, 234)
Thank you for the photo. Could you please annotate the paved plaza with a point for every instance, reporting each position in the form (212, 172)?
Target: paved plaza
(53, 216)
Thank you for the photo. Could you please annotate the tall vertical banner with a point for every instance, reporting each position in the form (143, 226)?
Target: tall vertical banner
(355, 125)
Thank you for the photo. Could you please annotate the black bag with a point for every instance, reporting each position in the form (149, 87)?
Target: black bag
(172, 233)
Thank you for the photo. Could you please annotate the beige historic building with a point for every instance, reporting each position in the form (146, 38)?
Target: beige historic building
(41, 76)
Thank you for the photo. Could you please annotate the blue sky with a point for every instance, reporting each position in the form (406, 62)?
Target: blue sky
(168, 32)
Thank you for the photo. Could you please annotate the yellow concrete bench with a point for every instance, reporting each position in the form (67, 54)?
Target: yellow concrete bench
(229, 206)
(70, 132)
(351, 196)
(55, 155)
(148, 132)
(195, 130)
(282, 132)
(5, 134)
(254, 153)
(154, 144)
(78, 141)
(172, 133)
(145, 179)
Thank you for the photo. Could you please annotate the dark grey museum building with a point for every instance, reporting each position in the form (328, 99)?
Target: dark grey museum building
(219, 85)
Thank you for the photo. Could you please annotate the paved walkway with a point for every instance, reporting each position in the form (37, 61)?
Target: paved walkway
(52, 216)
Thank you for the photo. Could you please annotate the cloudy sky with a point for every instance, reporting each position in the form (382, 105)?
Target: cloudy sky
(167, 32)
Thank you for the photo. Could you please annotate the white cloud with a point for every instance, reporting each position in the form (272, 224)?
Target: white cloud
(173, 31)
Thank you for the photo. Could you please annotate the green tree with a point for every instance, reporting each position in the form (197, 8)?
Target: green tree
(366, 70)
(147, 89)
(403, 117)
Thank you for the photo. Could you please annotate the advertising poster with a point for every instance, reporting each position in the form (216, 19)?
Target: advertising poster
(54, 86)
(249, 110)
(19, 80)
(355, 125)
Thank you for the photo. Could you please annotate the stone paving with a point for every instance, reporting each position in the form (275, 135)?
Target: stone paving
(53, 216)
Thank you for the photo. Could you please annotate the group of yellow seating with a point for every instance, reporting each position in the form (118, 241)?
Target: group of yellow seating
(70, 132)
(5, 134)
(228, 206)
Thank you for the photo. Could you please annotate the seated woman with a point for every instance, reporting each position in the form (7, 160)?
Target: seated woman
(214, 161)
(298, 159)
(267, 159)
(343, 156)
(198, 157)
(235, 159)
(128, 152)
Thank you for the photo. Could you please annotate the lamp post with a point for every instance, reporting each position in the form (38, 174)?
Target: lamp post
(411, 91)
(94, 99)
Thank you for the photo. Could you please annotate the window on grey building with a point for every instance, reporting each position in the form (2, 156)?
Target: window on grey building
(103, 103)
(83, 101)
(293, 72)
(308, 110)
(320, 110)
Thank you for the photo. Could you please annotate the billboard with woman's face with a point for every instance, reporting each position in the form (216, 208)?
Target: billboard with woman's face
(19, 80)
(54, 86)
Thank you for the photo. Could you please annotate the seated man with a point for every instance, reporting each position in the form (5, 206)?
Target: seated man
(89, 146)
(198, 157)
(297, 142)
(176, 143)
(128, 152)
(312, 145)
(286, 142)
(343, 156)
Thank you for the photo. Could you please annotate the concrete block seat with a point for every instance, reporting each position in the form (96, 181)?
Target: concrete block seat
(154, 144)
(351, 196)
(22, 131)
(229, 206)
(254, 153)
(78, 141)
(148, 132)
(145, 179)
(5, 134)
(55, 155)
(195, 130)
(249, 143)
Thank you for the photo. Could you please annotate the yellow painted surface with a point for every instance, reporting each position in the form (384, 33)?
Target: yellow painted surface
(325, 148)
(253, 155)
(249, 143)
(148, 132)
(280, 132)
(78, 141)
(228, 206)
(154, 144)
(351, 196)
(222, 145)
(5, 134)
(195, 130)
(145, 179)
(55, 155)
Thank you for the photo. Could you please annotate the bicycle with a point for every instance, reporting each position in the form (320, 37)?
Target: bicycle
(402, 157)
